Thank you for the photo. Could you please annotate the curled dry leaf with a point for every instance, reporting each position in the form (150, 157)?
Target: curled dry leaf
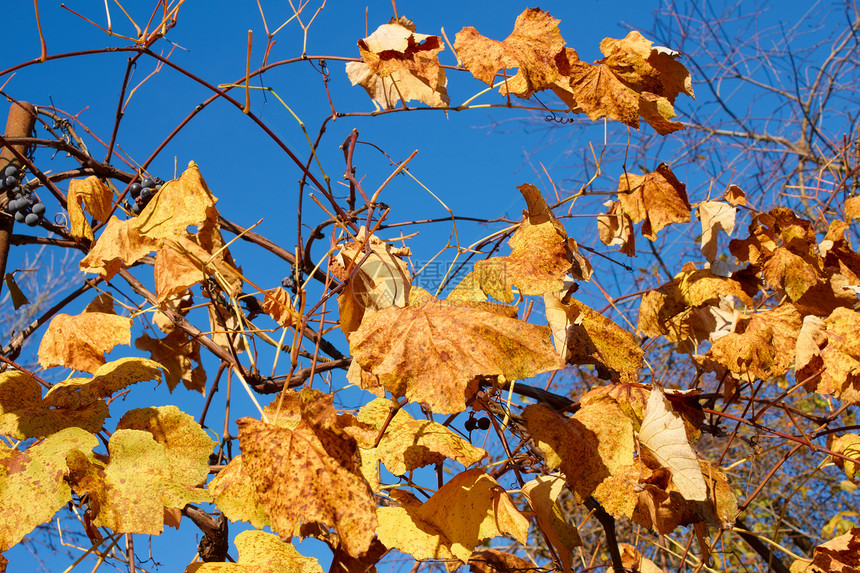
(848, 445)
(261, 552)
(662, 434)
(400, 64)
(32, 484)
(494, 561)
(616, 229)
(715, 216)
(310, 474)
(24, 414)
(542, 495)
(108, 379)
(277, 304)
(381, 281)
(657, 198)
(633, 560)
(80, 342)
(175, 353)
(531, 47)
(467, 510)
(92, 194)
(432, 354)
(735, 195)
(839, 555)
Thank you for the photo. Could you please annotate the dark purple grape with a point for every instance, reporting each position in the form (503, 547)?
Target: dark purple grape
(146, 193)
(11, 171)
(32, 219)
(11, 181)
(39, 209)
(20, 216)
(148, 182)
(32, 200)
(470, 424)
(136, 209)
(134, 189)
(484, 423)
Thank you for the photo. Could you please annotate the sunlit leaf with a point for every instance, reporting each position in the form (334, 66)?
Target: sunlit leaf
(261, 552)
(79, 342)
(106, 381)
(657, 198)
(542, 494)
(95, 197)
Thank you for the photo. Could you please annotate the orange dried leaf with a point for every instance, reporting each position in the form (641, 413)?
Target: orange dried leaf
(176, 352)
(32, 484)
(841, 356)
(494, 561)
(409, 444)
(80, 342)
(92, 194)
(432, 354)
(735, 195)
(310, 474)
(24, 414)
(657, 198)
(848, 445)
(635, 561)
(531, 47)
(787, 271)
(277, 304)
(839, 555)
(467, 510)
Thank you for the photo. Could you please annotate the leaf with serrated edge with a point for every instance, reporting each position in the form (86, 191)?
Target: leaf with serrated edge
(32, 487)
(662, 434)
(106, 381)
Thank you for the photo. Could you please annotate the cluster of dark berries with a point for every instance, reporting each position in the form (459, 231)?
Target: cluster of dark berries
(142, 192)
(23, 205)
(480, 423)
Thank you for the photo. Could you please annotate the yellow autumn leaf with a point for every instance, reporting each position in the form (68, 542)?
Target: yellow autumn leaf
(715, 216)
(432, 354)
(409, 444)
(79, 342)
(616, 229)
(310, 474)
(542, 494)
(106, 381)
(467, 510)
(261, 552)
(235, 496)
(657, 198)
(176, 353)
(24, 414)
(32, 484)
(90, 194)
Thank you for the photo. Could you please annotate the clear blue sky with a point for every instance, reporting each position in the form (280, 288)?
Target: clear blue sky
(473, 160)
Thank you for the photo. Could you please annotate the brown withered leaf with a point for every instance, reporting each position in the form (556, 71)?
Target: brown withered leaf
(596, 90)
(715, 216)
(495, 561)
(120, 245)
(541, 254)
(588, 447)
(92, 194)
(735, 195)
(32, 484)
(408, 443)
(644, 68)
(102, 303)
(400, 64)
(76, 393)
(183, 262)
(839, 555)
(616, 229)
(848, 445)
(80, 342)
(176, 352)
(635, 561)
(24, 414)
(841, 356)
(531, 47)
(310, 474)
(235, 495)
(810, 340)
(277, 304)
(657, 198)
(381, 281)
(587, 337)
(261, 552)
(467, 510)
(432, 354)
